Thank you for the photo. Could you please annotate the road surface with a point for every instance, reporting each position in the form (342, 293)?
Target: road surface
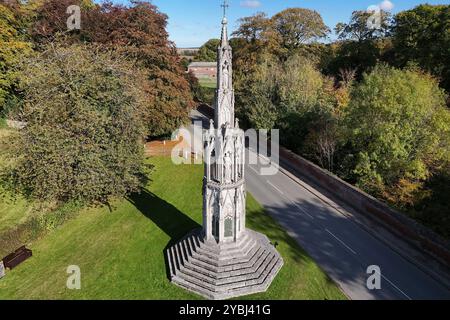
(339, 245)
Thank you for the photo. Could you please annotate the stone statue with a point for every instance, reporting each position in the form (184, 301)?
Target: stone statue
(226, 77)
(228, 167)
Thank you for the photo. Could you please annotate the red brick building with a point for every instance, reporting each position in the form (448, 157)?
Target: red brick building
(203, 69)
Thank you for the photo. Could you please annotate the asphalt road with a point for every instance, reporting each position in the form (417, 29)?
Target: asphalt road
(339, 245)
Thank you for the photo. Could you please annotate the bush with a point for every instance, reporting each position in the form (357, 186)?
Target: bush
(398, 128)
(291, 96)
(13, 45)
(84, 135)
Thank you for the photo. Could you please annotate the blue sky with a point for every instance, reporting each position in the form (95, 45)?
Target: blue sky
(193, 22)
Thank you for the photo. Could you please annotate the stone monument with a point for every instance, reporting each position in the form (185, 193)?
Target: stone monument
(224, 259)
(2, 269)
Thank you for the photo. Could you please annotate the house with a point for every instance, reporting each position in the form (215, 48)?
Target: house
(203, 69)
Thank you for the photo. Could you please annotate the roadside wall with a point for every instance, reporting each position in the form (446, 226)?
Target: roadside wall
(364, 203)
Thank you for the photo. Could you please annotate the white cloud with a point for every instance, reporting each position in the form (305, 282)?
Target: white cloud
(386, 5)
(251, 4)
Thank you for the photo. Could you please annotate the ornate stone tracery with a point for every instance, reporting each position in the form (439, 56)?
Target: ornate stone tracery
(224, 259)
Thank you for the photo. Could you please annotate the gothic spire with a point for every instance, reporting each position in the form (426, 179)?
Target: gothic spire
(224, 37)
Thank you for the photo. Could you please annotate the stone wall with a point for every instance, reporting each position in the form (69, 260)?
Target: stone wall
(163, 148)
(362, 202)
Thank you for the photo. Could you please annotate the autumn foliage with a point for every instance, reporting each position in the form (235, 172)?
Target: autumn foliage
(137, 32)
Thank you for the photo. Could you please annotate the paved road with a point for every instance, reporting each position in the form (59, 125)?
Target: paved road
(340, 246)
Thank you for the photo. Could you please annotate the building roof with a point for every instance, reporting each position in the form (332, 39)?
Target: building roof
(203, 64)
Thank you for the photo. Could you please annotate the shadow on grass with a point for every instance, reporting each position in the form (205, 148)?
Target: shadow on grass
(168, 218)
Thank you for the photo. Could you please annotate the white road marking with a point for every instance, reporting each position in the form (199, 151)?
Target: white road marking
(392, 284)
(328, 231)
(275, 187)
(253, 169)
(342, 242)
(301, 209)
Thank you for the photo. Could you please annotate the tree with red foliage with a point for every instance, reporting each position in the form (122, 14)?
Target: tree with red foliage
(139, 32)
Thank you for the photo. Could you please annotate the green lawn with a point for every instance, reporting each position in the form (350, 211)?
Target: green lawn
(120, 253)
(3, 123)
(208, 82)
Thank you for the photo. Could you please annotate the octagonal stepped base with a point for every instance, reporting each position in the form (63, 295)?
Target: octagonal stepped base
(224, 271)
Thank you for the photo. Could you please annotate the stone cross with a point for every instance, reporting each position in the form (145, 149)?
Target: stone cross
(225, 6)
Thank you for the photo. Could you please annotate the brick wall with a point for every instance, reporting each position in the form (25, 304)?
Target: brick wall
(393, 220)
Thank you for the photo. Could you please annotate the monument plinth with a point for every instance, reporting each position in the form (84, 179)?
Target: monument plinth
(224, 259)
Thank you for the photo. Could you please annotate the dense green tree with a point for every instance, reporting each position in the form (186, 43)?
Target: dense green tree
(398, 128)
(360, 46)
(208, 51)
(290, 96)
(13, 45)
(253, 28)
(422, 36)
(358, 29)
(295, 27)
(83, 139)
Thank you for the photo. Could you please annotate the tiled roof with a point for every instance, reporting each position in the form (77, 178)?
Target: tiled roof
(203, 64)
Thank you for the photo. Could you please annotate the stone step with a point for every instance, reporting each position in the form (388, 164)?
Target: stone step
(228, 254)
(175, 256)
(218, 277)
(214, 248)
(251, 268)
(194, 288)
(224, 263)
(230, 283)
(256, 252)
(170, 260)
(180, 254)
(250, 289)
(255, 276)
(213, 272)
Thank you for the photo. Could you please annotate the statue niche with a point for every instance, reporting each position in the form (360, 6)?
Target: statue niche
(226, 76)
(228, 223)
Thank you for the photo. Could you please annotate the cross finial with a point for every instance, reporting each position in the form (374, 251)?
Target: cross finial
(225, 6)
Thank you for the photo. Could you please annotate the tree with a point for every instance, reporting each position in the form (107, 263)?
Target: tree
(13, 46)
(361, 46)
(50, 20)
(295, 27)
(398, 128)
(208, 51)
(422, 36)
(138, 32)
(84, 135)
(292, 96)
(253, 28)
(359, 29)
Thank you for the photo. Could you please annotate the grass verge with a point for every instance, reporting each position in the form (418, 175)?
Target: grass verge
(120, 253)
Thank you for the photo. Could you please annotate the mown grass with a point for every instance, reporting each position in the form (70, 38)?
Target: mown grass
(208, 82)
(120, 253)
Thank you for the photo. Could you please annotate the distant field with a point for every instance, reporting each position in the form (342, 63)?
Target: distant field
(208, 82)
